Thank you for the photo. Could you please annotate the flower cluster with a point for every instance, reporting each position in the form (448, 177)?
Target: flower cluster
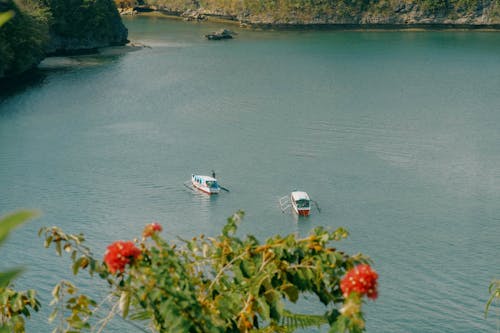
(119, 254)
(151, 228)
(361, 279)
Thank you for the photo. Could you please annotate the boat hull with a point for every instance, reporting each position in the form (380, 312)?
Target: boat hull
(205, 189)
(301, 211)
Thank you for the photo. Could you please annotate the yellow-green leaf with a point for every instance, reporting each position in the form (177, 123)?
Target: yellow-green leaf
(124, 303)
(291, 291)
(13, 220)
(5, 16)
(6, 277)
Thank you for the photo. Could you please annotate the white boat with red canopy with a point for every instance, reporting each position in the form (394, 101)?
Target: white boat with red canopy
(301, 202)
(206, 184)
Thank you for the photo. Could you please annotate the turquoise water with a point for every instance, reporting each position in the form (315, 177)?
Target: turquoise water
(395, 134)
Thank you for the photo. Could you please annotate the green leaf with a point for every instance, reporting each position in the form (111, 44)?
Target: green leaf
(76, 322)
(238, 274)
(232, 224)
(47, 241)
(142, 315)
(275, 310)
(332, 315)
(13, 220)
(53, 315)
(125, 303)
(309, 274)
(56, 290)
(247, 268)
(58, 247)
(272, 296)
(76, 265)
(7, 277)
(494, 290)
(340, 325)
(291, 291)
(263, 308)
(229, 228)
(5, 16)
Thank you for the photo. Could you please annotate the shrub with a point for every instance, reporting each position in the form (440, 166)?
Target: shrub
(14, 305)
(217, 284)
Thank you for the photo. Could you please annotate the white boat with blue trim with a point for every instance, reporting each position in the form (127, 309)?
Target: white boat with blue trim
(205, 184)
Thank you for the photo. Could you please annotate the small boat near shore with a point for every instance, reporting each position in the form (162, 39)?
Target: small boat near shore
(205, 184)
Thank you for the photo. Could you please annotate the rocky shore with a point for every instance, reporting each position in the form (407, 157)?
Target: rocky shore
(403, 14)
(75, 28)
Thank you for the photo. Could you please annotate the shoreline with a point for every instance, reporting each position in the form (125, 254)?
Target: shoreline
(317, 26)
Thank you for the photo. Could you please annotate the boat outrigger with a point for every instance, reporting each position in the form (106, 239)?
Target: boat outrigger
(206, 184)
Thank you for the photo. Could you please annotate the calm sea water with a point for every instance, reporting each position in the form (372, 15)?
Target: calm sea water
(395, 134)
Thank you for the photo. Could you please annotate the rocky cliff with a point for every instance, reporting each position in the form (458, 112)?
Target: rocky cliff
(462, 13)
(84, 25)
(51, 27)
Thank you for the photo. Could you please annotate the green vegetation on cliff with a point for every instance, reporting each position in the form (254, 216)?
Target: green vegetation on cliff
(23, 37)
(78, 18)
(472, 12)
(41, 27)
(84, 24)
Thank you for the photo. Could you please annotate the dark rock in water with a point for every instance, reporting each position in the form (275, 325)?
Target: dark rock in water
(220, 34)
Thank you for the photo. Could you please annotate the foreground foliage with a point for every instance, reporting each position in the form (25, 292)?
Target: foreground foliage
(14, 305)
(494, 291)
(220, 284)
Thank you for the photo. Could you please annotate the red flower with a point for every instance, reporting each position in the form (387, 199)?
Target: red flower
(361, 279)
(151, 228)
(119, 254)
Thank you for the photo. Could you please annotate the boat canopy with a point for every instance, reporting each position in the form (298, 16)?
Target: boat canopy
(301, 199)
(209, 181)
(300, 195)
